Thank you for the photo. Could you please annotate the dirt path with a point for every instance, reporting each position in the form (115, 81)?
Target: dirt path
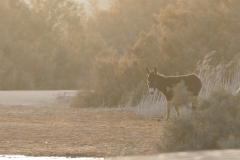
(59, 131)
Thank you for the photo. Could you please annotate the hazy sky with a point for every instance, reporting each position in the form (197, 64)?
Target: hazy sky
(102, 3)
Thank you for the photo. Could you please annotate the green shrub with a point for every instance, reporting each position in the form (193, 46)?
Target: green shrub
(83, 99)
(231, 143)
(212, 126)
(182, 96)
(113, 80)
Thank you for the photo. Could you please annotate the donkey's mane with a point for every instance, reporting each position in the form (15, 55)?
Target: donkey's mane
(176, 76)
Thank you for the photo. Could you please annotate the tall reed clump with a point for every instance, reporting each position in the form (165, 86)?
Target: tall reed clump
(223, 74)
(152, 105)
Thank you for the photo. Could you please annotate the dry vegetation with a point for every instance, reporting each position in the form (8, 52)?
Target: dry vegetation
(59, 131)
(105, 53)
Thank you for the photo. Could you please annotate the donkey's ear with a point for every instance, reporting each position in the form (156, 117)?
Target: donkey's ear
(155, 70)
(147, 71)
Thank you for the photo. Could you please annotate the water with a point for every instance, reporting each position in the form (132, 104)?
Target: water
(35, 98)
(20, 157)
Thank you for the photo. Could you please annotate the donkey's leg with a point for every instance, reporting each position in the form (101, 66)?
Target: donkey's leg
(168, 110)
(177, 110)
(194, 103)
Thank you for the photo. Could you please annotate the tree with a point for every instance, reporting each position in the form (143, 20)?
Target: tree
(46, 44)
(189, 30)
(121, 24)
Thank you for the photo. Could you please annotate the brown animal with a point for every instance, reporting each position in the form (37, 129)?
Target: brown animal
(163, 83)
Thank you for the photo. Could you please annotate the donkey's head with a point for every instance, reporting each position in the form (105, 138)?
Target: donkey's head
(152, 77)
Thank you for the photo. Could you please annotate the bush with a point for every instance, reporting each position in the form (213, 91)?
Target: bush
(83, 99)
(232, 143)
(213, 126)
(182, 96)
(113, 80)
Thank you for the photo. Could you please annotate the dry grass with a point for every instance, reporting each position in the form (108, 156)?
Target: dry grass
(58, 131)
(224, 74)
(154, 106)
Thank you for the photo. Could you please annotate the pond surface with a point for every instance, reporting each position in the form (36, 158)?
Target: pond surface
(20, 157)
(36, 98)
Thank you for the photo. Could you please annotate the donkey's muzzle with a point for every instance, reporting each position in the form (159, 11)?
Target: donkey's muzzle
(151, 91)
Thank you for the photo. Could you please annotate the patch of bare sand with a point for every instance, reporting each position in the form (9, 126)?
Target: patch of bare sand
(62, 131)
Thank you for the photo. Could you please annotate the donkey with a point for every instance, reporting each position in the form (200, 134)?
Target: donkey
(163, 83)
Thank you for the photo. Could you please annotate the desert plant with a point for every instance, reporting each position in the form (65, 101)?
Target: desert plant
(152, 105)
(182, 96)
(113, 78)
(231, 143)
(223, 74)
(210, 127)
(83, 99)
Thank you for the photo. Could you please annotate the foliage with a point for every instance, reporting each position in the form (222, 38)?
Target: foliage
(115, 76)
(231, 143)
(45, 45)
(182, 96)
(214, 126)
(57, 45)
(83, 99)
(186, 31)
(113, 80)
(121, 24)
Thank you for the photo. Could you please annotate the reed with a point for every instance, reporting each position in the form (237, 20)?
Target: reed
(152, 105)
(223, 74)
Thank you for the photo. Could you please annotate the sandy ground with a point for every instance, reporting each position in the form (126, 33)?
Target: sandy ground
(50, 130)
(40, 123)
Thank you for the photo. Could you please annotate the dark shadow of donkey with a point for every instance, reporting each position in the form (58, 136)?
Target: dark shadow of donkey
(163, 83)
